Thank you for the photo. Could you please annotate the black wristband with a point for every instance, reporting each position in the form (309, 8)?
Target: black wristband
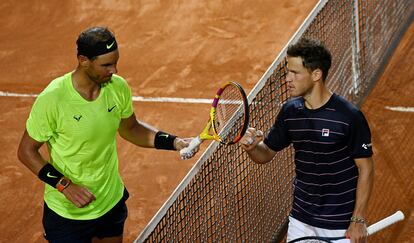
(50, 175)
(164, 140)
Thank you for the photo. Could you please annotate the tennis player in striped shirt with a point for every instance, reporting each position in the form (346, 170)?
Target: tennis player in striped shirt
(333, 151)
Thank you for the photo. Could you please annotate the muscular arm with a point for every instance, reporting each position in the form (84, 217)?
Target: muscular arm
(142, 134)
(137, 132)
(28, 153)
(257, 150)
(261, 154)
(364, 186)
(357, 231)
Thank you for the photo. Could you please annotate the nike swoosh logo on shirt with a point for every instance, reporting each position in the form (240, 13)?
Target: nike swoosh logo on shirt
(109, 46)
(110, 109)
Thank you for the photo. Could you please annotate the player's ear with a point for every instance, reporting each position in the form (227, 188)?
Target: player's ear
(317, 74)
(83, 60)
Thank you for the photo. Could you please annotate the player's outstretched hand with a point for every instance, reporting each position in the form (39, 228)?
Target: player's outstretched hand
(78, 195)
(251, 138)
(181, 143)
(185, 152)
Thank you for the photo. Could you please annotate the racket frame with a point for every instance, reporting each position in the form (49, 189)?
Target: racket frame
(212, 124)
(213, 120)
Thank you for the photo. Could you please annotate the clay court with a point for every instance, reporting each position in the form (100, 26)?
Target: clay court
(179, 50)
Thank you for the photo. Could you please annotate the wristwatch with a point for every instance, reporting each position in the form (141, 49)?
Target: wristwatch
(62, 184)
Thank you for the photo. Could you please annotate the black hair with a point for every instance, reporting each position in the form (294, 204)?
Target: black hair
(96, 41)
(314, 55)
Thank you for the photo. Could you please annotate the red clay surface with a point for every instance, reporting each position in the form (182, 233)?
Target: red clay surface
(393, 142)
(175, 49)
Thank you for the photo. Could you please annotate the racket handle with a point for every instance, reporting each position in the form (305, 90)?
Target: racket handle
(251, 139)
(392, 219)
(189, 151)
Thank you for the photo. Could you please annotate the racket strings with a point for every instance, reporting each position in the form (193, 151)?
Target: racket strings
(230, 112)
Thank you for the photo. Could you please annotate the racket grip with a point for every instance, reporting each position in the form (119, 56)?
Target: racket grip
(398, 216)
(189, 151)
(253, 138)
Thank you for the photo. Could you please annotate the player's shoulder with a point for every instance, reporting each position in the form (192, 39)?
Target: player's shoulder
(118, 81)
(56, 89)
(345, 110)
(343, 105)
(118, 85)
(294, 104)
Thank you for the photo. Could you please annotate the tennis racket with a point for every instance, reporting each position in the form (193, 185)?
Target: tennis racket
(228, 121)
(392, 219)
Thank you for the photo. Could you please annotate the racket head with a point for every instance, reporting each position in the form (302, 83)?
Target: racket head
(230, 113)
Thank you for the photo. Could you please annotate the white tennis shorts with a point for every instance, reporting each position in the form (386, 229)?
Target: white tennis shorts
(298, 229)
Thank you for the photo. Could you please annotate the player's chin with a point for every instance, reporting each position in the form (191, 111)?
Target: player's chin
(292, 93)
(106, 79)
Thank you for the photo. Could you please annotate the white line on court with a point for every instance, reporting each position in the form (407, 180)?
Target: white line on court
(2, 93)
(400, 108)
(134, 98)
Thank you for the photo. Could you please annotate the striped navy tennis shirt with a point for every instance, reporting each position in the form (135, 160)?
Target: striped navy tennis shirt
(326, 142)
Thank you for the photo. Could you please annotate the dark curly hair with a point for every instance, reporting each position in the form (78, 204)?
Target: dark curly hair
(89, 40)
(314, 55)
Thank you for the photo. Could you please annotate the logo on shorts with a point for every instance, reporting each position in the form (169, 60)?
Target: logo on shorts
(325, 132)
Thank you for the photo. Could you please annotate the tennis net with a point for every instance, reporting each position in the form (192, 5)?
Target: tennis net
(227, 197)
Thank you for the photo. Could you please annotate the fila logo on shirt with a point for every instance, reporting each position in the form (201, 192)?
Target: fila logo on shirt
(325, 132)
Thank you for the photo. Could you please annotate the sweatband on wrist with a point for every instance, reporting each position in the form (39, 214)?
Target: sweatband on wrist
(50, 175)
(164, 140)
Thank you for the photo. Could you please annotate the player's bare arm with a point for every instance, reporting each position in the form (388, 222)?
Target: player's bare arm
(28, 153)
(143, 135)
(137, 132)
(257, 150)
(357, 229)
